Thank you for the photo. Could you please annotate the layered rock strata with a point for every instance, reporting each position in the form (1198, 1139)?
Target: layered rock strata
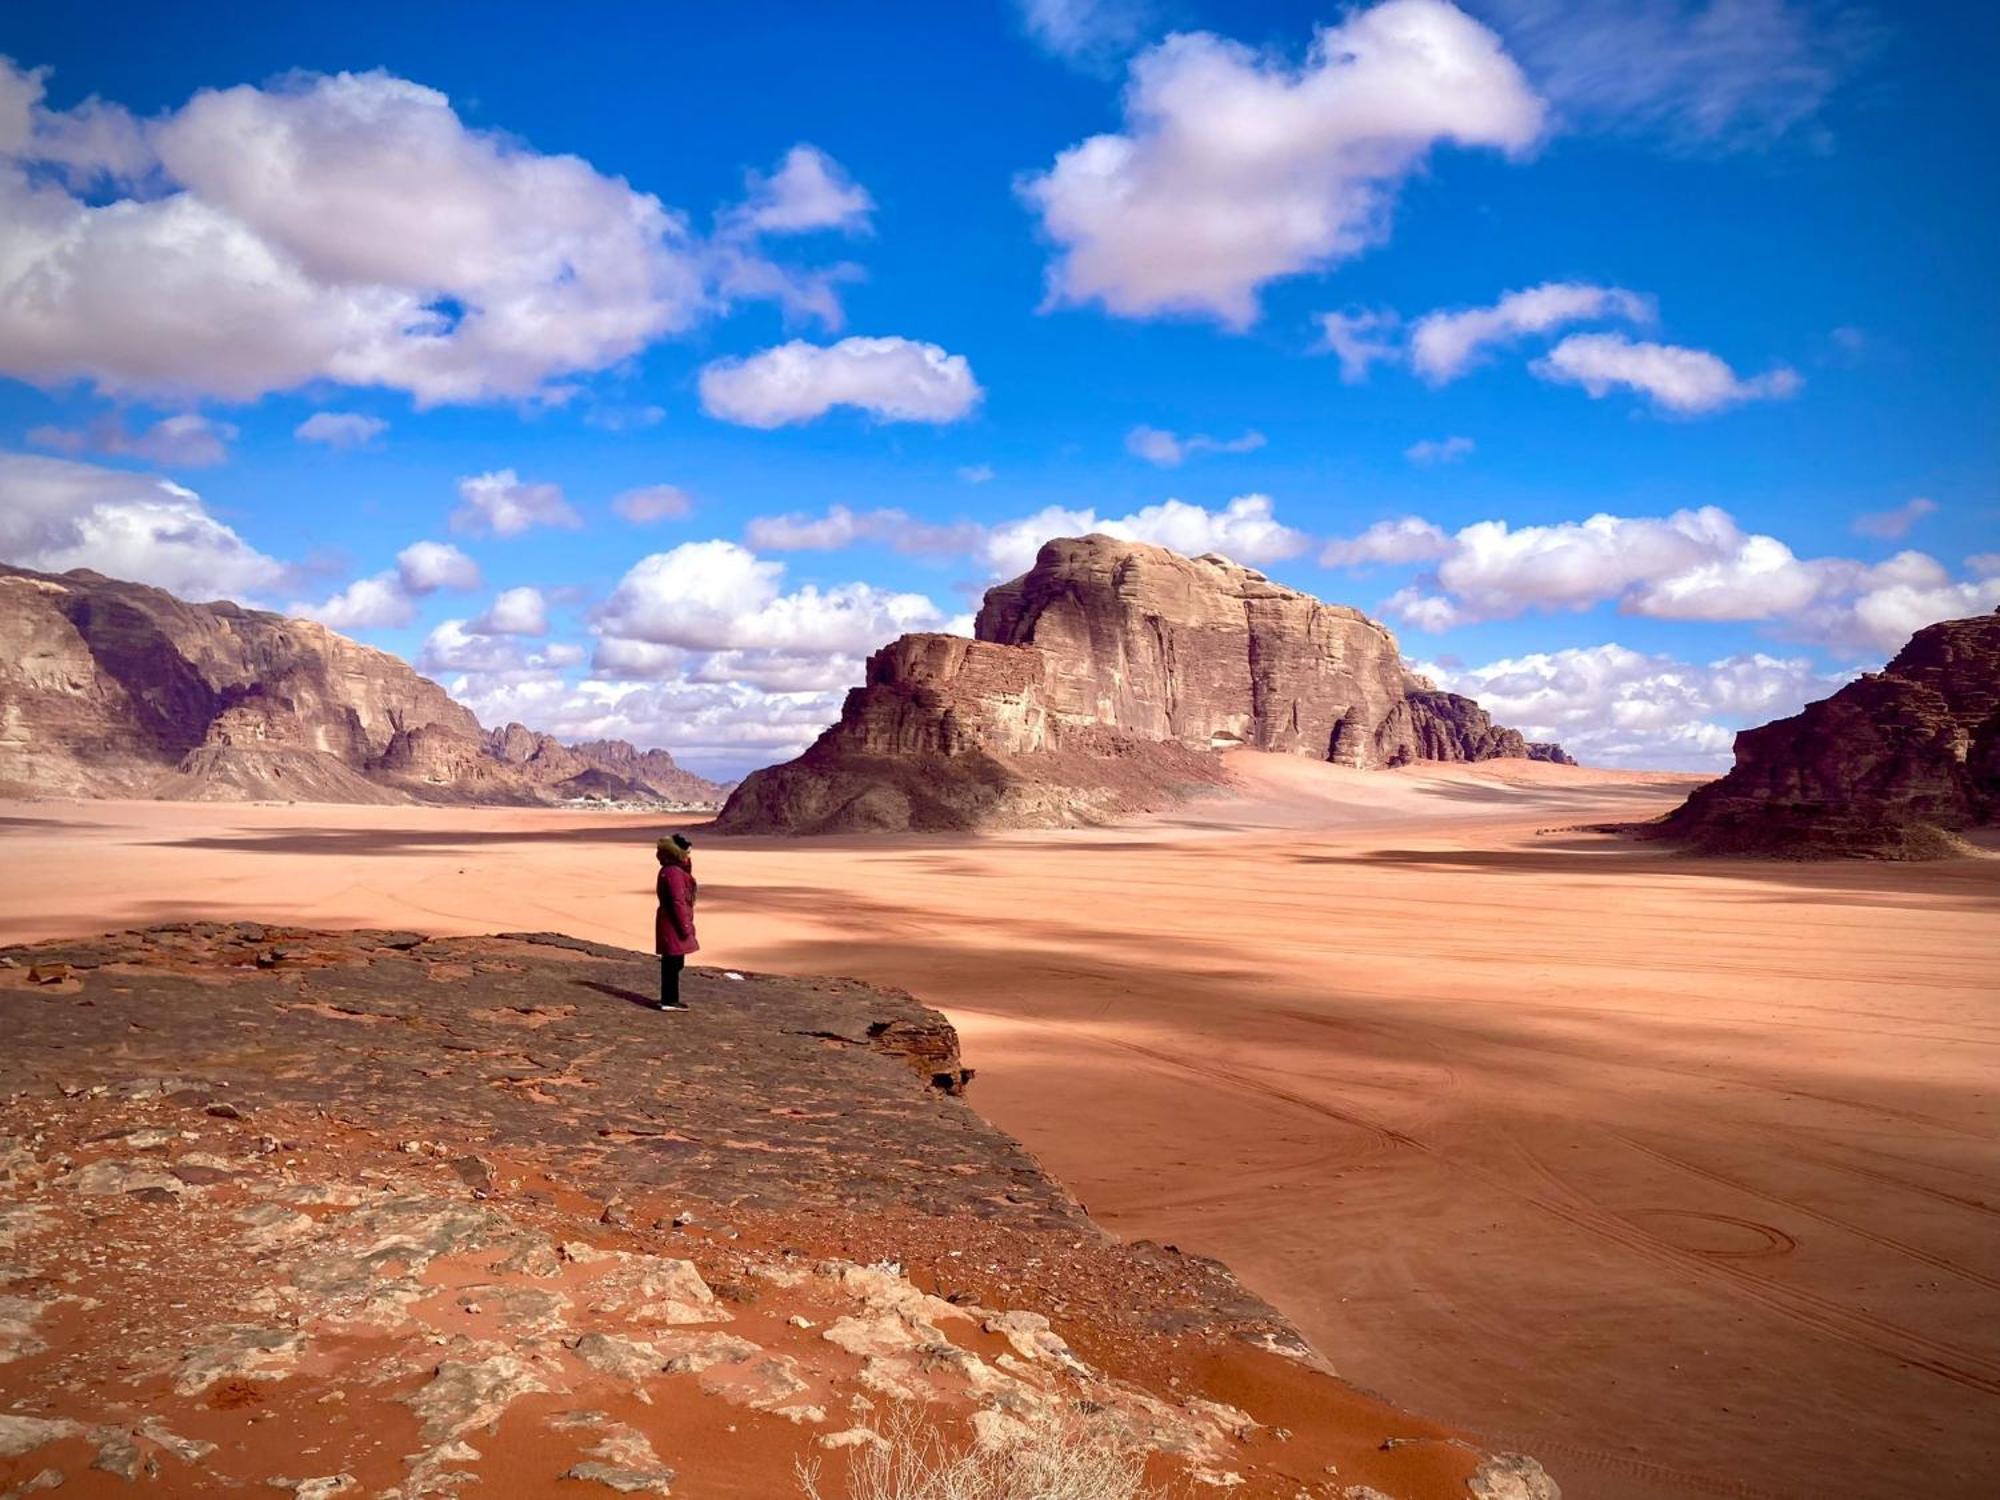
(116, 689)
(1896, 765)
(1101, 682)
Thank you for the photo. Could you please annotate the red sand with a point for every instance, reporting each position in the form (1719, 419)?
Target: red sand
(1680, 1175)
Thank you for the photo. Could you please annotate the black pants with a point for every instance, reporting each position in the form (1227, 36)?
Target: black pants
(671, 965)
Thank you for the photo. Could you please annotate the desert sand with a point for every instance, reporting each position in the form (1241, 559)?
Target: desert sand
(1682, 1175)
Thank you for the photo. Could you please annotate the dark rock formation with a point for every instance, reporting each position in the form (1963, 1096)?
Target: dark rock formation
(1892, 766)
(1445, 726)
(116, 689)
(1099, 684)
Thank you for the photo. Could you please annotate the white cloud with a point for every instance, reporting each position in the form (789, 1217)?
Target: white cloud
(1360, 339)
(340, 429)
(1686, 382)
(186, 441)
(1167, 450)
(1874, 610)
(840, 526)
(781, 671)
(516, 611)
(809, 191)
(717, 596)
(1984, 564)
(1085, 31)
(377, 602)
(1609, 705)
(1245, 529)
(506, 505)
(653, 502)
(1702, 74)
(1407, 539)
(390, 598)
(893, 379)
(424, 567)
(975, 473)
(1444, 345)
(1894, 523)
(351, 228)
(455, 646)
(1235, 169)
(1431, 451)
(56, 514)
(1691, 565)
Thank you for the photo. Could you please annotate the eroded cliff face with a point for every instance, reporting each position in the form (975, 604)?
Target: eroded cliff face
(1099, 684)
(1892, 766)
(110, 688)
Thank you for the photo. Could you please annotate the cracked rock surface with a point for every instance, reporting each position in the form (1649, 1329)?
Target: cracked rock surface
(366, 1214)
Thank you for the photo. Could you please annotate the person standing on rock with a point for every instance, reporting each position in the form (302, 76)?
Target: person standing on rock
(673, 922)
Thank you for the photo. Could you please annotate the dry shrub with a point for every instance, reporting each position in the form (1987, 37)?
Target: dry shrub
(1063, 1457)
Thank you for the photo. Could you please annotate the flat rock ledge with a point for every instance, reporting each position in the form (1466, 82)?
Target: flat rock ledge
(374, 1214)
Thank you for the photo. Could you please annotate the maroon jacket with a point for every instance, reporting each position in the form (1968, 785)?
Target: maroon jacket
(673, 923)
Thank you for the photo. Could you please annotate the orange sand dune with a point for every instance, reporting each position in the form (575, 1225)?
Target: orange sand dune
(1684, 1176)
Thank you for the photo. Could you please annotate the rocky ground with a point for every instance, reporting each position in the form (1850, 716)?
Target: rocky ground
(374, 1214)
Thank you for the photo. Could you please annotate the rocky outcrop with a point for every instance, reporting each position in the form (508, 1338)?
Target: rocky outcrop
(1893, 766)
(478, 1222)
(1100, 683)
(110, 688)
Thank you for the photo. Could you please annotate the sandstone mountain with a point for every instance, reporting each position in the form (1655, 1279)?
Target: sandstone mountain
(1101, 682)
(113, 689)
(1893, 766)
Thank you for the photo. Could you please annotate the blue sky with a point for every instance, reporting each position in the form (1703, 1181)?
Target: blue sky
(1713, 273)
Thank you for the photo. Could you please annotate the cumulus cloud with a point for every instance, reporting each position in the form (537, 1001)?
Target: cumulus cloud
(1690, 565)
(1407, 539)
(1234, 168)
(425, 567)
(892, 379)
(1360, 339)
(352, 228)
(1428, 452)
(1895, 523)
(653, 502)
(391, 598)
(1444, 345)
(841, 526)
(1685, 382)
(1700, 74)
(1086, 32)
(1610, 705)
(1246, 529)
(57, 514)
(516, 611)
(340, 429)
(809, 191)
(186, 441)
(1167, 450)
(506, 505)
(717, 596)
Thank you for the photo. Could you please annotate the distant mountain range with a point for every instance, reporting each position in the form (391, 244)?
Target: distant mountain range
(114, 689)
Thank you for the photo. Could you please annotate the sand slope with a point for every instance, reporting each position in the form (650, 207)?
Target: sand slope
(1681, 1175)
